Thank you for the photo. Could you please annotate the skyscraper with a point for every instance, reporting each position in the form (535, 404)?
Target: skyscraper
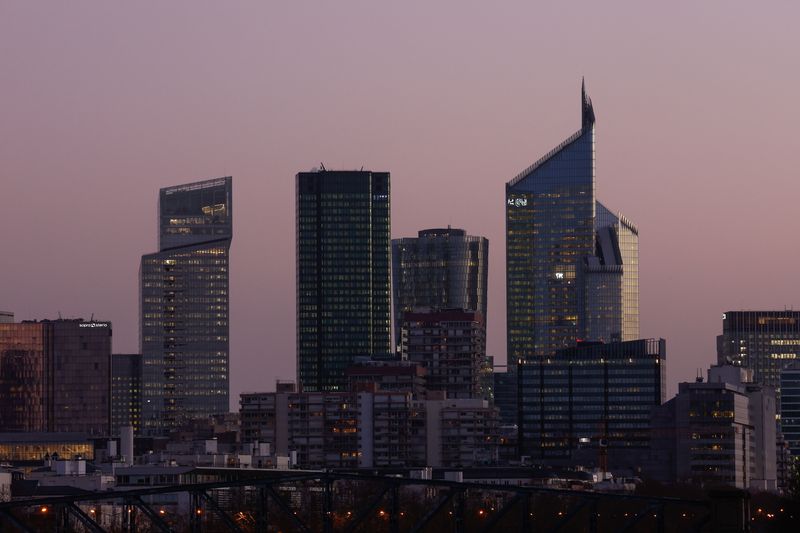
(55, 375)
(343, 298)
(440, 269)
(572, 265)
(126, 391)
(184, 307)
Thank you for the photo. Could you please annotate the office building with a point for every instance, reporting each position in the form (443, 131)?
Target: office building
(343, 285)
(789, 406)
(439, 269)
(126, 391)
(763, 341)
(184, 304)
(721, 431)
(55, 376)
(6, 317)
(572, 264)
(594, 401)
(451, 345)
(505, 393)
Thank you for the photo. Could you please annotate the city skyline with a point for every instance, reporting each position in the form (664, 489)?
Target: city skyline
(715, 163)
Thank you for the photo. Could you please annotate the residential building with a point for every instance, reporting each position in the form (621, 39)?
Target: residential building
(442, 268)
(126, 391)
(721, 431)
(184, 307)
(343, 274)
(451, 345)
(572, 265)
(55, 375)
(368, 375)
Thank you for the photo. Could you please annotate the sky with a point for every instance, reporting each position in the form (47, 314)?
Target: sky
(103, 103)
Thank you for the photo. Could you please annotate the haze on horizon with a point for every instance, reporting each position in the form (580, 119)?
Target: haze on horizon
(103, 104)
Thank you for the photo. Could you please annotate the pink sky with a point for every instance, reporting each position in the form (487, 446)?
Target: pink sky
(104, 103)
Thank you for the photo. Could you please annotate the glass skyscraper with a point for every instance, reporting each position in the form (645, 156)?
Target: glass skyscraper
(184, 307)
(572, 265)
(439, 269)
(343, 274)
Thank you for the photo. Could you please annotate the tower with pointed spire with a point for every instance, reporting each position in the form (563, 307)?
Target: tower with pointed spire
(571, 273)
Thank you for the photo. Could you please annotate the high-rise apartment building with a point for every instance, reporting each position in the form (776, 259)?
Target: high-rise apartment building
(343, 274)
(184, 318)
(439, 269)
(763, 341)
(451, 345)
(572, 265)
(126, 391)
(55, 375)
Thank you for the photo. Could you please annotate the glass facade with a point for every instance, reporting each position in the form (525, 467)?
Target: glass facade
(790, 407)
(55, 376)
(184, 322)
(343, 274)
(126, 387)
(763, 341)
(572, 267)
(439, 269)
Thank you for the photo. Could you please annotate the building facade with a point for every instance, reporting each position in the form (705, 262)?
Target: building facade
(55, 376)
(595, 400)
(343, 274)
(451, 345)
(763, 341)
(789, 407)
(721, 431)
(371, 429)
(572, 265)
(126, 391)
(184, 305)
(439, 269)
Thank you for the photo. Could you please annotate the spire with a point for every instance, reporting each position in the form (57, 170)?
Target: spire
(587, 111)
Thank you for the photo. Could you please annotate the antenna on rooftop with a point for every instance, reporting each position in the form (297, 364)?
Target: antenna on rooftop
(322, 167)
(59, 315)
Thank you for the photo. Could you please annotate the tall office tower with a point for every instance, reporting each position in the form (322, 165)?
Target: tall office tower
(343, 308)
(597, 392)
(439, 269)
(55, 375)
(572, 265)
(763, 341)
(126, 391)
(184, 307)
(451, 345)
(789, 406)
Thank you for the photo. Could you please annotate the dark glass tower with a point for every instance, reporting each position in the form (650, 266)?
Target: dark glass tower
(184, 307)
(439, 269)
(572, 265)
(126, 388)
(342, 274)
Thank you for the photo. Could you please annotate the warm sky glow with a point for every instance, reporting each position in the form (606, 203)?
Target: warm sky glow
(104, 103)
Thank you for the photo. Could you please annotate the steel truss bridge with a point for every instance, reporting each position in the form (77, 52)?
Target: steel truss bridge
(333, 502)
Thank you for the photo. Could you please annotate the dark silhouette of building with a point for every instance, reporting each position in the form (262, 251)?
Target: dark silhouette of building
(439, 269)
(184, 307)
(55, 376)
(343, 286)
(126, 391)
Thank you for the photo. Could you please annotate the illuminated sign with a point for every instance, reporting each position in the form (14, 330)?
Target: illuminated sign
(93, 325)
(517, 202)
(559, 275)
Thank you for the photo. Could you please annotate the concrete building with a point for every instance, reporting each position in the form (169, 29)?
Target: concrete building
(55, 376)
(367, 375)
(719, 431)
(370, 429)
(451, 345)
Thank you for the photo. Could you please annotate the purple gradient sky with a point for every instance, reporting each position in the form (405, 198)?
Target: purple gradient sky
(104, 103)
